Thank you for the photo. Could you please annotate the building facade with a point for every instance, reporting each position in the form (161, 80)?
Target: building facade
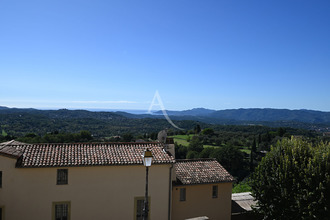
(106, 181)
(202, 188)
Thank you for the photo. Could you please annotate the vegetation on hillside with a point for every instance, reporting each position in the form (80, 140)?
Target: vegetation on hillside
(293, 181)
(239, 148)
(102, 125)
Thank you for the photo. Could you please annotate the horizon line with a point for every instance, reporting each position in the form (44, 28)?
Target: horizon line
(146, 110)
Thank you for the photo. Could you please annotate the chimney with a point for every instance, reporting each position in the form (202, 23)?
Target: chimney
(169, 148)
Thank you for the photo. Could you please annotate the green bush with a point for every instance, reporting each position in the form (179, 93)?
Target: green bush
(293, 181)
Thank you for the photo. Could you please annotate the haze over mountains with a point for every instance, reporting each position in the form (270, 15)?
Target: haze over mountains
(306, 119)
(258, 114)
(249, 114)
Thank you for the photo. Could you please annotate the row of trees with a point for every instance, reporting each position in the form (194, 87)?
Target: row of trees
(82, 136)
(243, 135)
(57, 137)
(231, 157)
(231, 145)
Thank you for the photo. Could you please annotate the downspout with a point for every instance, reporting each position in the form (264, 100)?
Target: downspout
(170, 193)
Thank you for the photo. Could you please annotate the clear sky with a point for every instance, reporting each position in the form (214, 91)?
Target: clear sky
(217, 54)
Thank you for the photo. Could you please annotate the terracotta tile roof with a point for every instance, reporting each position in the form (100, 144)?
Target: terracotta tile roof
(88, 154)
(11, 149)
(200, 171)
(12, 143)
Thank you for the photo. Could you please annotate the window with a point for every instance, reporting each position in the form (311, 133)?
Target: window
(182, 194)
(139, 209)
(2, 213)
(214, 191)
(139, 206)
(0, 180)
(62, 176)
(61, 210)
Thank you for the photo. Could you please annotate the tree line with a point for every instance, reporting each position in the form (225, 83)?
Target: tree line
(238, 148)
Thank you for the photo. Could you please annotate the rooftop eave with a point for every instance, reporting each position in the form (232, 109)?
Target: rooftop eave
(179, 183)
(19, 165)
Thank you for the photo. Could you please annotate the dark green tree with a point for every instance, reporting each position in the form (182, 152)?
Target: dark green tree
(281, 131)
(206, 152)
(195, 144)
(232, 159)
(253, 155)
(180, 151)
(86, 136)
(192, 154)
(197, 129)
(293, 181)
(208, 131)
(153, 136)
(127, 137)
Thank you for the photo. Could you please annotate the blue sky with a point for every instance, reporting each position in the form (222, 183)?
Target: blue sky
(219, 54)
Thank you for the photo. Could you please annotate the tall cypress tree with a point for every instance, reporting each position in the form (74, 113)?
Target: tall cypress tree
(253, 154)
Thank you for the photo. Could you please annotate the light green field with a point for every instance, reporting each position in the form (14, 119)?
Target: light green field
(182, 139)
(4, 133)
(246, 151)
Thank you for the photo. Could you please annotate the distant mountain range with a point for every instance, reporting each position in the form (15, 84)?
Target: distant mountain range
(19, 122)
(32, 119)
(257, 115)
(191, 112)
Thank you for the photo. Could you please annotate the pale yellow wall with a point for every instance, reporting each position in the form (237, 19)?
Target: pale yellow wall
(103, 192)
(199, 202)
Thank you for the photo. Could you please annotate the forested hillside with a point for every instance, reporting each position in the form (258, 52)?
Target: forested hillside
(306, 119)
(20, 122)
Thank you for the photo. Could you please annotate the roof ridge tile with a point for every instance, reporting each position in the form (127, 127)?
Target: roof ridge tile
(90, 154)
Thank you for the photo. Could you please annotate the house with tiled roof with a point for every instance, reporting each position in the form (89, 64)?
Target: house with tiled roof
(78, 181)
(202, 188)
(82, 181)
